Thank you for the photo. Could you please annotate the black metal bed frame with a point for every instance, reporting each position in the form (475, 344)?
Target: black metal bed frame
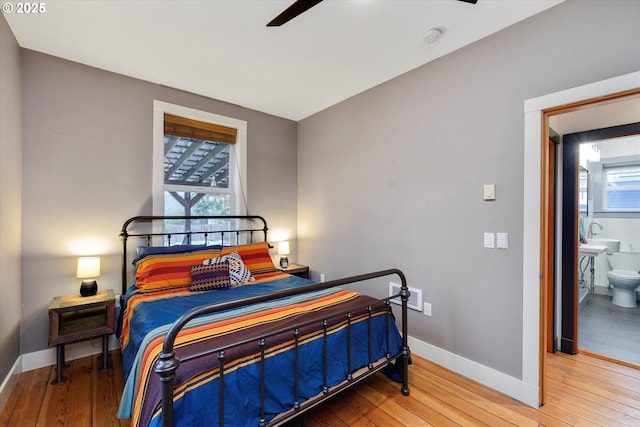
(168, 363)
(248, 231)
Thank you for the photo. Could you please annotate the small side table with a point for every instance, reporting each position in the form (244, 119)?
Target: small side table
(74, 318)
(297, 270)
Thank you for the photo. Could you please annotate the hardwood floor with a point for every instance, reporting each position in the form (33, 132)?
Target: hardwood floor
(581, 391)
(88, 397)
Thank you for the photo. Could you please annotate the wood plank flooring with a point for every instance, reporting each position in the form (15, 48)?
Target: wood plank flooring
(89, 397)
(581, 391)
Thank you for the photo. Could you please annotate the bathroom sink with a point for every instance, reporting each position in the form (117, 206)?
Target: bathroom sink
(613, 245)
(590, 249)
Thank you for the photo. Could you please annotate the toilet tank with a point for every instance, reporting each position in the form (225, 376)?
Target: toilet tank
(629, 261)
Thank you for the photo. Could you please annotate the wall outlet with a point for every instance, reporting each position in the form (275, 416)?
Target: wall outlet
(415, 299)
(321, 277)
(427, 309)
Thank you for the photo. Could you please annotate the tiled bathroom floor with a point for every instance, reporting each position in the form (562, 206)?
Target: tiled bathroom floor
(610, 330)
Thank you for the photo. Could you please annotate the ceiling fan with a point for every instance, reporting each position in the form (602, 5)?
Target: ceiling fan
(300, 6)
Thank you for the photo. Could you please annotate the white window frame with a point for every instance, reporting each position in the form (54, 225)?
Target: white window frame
(605, 185)
(238, 154)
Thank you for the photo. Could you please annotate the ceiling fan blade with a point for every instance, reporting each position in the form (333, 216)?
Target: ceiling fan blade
(297, 8)
(470, 1)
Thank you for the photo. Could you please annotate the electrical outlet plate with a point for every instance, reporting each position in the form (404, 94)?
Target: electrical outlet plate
(415, 299)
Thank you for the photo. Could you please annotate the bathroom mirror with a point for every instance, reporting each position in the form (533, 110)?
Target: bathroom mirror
(583, 191)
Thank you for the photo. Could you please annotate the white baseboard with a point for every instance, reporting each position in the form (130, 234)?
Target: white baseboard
(42, 358)
(10, 382)
(511, 386)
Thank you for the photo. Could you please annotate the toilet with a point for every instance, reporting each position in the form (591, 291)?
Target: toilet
(624, 277)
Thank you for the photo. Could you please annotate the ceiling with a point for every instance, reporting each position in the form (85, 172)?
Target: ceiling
(222, 49)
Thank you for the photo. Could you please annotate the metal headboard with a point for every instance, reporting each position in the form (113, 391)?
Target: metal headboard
(237, 229)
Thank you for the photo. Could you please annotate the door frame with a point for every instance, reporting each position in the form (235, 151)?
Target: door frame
(535, 223)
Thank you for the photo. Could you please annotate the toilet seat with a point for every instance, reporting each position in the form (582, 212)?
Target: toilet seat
(624, 275)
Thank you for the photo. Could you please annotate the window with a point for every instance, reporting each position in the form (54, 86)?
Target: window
(199, 162)
(197, 167)
(621, 187)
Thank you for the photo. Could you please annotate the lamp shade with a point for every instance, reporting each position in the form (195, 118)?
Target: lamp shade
(283, 248)
(88, 267)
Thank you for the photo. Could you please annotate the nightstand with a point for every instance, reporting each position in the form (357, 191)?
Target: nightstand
(74, 318)
(297, 270)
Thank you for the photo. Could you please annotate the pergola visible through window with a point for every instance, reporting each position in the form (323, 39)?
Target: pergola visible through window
(198, 167)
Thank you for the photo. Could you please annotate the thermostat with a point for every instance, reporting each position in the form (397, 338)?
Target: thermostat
(489, 191)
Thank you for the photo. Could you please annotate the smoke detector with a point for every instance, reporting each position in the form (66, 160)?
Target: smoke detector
(433, 35)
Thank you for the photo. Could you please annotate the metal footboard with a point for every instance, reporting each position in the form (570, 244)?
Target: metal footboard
(168, 363)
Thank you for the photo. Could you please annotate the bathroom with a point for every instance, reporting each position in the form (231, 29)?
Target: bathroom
(606, 328)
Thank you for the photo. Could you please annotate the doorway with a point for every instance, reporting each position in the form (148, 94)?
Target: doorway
(572, 279)
(536, 278)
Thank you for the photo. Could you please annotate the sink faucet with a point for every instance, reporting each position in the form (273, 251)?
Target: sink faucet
(591, 233)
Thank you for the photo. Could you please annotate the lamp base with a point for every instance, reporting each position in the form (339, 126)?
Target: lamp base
(284, 262)
(88, 288)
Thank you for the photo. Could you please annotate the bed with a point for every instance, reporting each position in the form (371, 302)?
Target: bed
(213, 334)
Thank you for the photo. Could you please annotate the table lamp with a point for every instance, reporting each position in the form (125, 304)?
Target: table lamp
(283, 251)
(88, 269)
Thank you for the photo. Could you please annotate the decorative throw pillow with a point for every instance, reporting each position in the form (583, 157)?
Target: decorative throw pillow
(254, 255)
(143, 251)
(164, 271)
(210, 277)
(239, 274)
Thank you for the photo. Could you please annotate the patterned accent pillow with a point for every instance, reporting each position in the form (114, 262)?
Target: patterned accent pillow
(210, 277)
(254, 255)
(239, 274)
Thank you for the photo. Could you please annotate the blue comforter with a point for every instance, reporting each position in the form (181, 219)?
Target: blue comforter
(146, 318)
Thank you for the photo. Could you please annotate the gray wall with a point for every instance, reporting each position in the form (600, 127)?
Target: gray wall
(393, 177)
(10, 194)
(87, 168)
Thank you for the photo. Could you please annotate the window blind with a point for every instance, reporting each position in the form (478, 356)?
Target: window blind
(189, 128)
(622, 187)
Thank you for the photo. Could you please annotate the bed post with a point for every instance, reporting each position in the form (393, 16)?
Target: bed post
(406, 352)
(123, 237)
(166, 368)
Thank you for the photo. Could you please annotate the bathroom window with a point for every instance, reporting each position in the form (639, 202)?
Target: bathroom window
(621, 187)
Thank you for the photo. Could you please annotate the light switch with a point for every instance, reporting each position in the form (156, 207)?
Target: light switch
(489, 191)
(502, 240)
(489, 240)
